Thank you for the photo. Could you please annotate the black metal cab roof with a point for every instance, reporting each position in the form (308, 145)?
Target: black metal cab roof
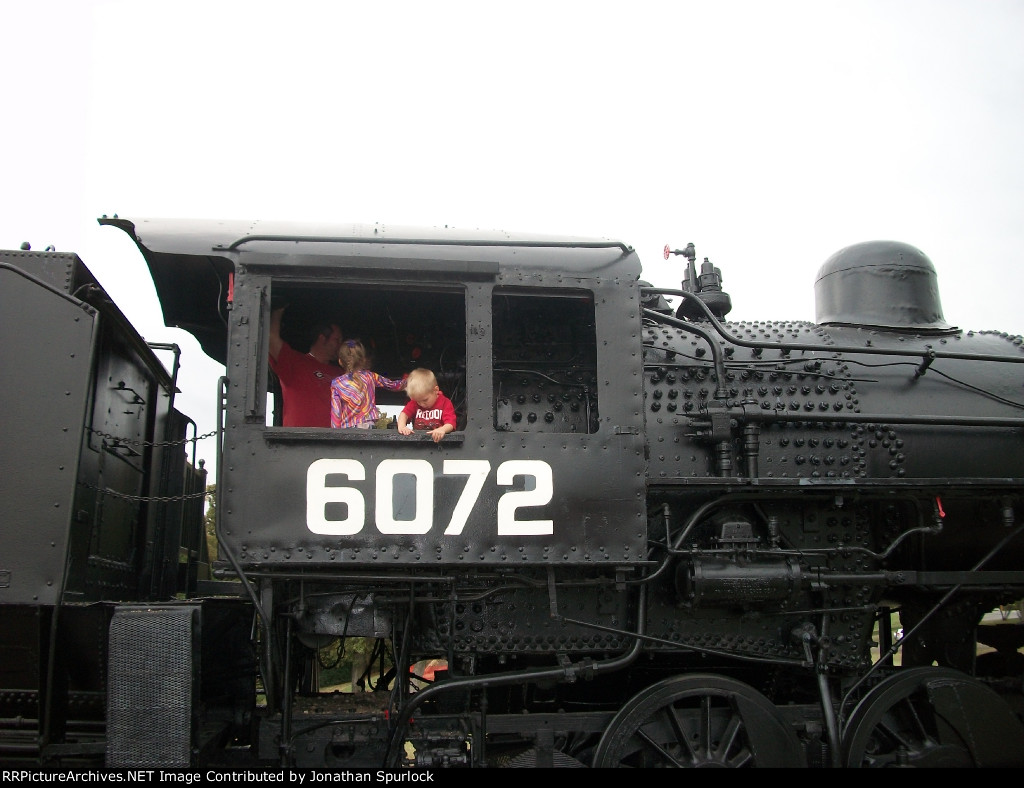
(191, 260)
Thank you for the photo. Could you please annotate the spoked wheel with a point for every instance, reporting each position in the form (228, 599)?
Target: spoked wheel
(933, 717)
(699, 721)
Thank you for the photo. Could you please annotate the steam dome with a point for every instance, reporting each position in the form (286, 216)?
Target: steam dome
(886, 284)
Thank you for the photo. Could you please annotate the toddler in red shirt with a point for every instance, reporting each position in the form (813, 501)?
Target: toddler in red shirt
(427, 409)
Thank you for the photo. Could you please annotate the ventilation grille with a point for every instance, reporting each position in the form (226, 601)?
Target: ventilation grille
(150, 692)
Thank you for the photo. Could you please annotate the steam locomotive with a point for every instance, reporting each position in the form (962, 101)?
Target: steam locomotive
(656, 538)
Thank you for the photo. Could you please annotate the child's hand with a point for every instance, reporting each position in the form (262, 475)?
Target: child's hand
(438, 434)
(405, 429)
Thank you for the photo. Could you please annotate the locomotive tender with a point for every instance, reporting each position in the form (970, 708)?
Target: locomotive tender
(656, 538)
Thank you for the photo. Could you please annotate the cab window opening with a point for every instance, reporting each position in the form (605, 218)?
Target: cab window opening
(545, 362)
(402, 326)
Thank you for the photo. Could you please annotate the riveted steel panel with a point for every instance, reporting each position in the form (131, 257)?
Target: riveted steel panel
(45, 351)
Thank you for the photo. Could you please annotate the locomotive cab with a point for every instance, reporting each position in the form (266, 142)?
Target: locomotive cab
(525, 337)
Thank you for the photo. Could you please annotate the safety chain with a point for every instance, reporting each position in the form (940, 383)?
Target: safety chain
(149, 443)
(158, 498)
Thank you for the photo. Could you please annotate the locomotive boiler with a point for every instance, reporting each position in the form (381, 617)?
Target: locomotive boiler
(655, 538)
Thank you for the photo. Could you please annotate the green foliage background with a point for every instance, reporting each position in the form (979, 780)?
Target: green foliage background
(210, 520)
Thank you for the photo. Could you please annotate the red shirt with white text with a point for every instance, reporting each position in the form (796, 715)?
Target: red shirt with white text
(442, 412)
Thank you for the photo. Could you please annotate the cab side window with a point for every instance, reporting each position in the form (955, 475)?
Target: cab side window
(545, 362)
(402, 326)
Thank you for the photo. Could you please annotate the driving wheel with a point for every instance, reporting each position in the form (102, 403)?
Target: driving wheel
(695, 721)
(933, 717)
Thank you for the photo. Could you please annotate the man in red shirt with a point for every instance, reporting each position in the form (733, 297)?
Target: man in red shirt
(305, 378)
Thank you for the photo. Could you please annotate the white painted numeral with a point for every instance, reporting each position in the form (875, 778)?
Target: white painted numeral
(539, 496)
(318, 495)
(477, 471)
(423, 473)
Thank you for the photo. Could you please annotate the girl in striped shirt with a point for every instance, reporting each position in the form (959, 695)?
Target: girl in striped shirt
(354, 394)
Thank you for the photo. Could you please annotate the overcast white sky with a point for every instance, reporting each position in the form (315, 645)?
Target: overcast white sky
(771, 135)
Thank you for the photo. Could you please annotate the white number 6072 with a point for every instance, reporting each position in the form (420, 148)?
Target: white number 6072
(319, 494)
